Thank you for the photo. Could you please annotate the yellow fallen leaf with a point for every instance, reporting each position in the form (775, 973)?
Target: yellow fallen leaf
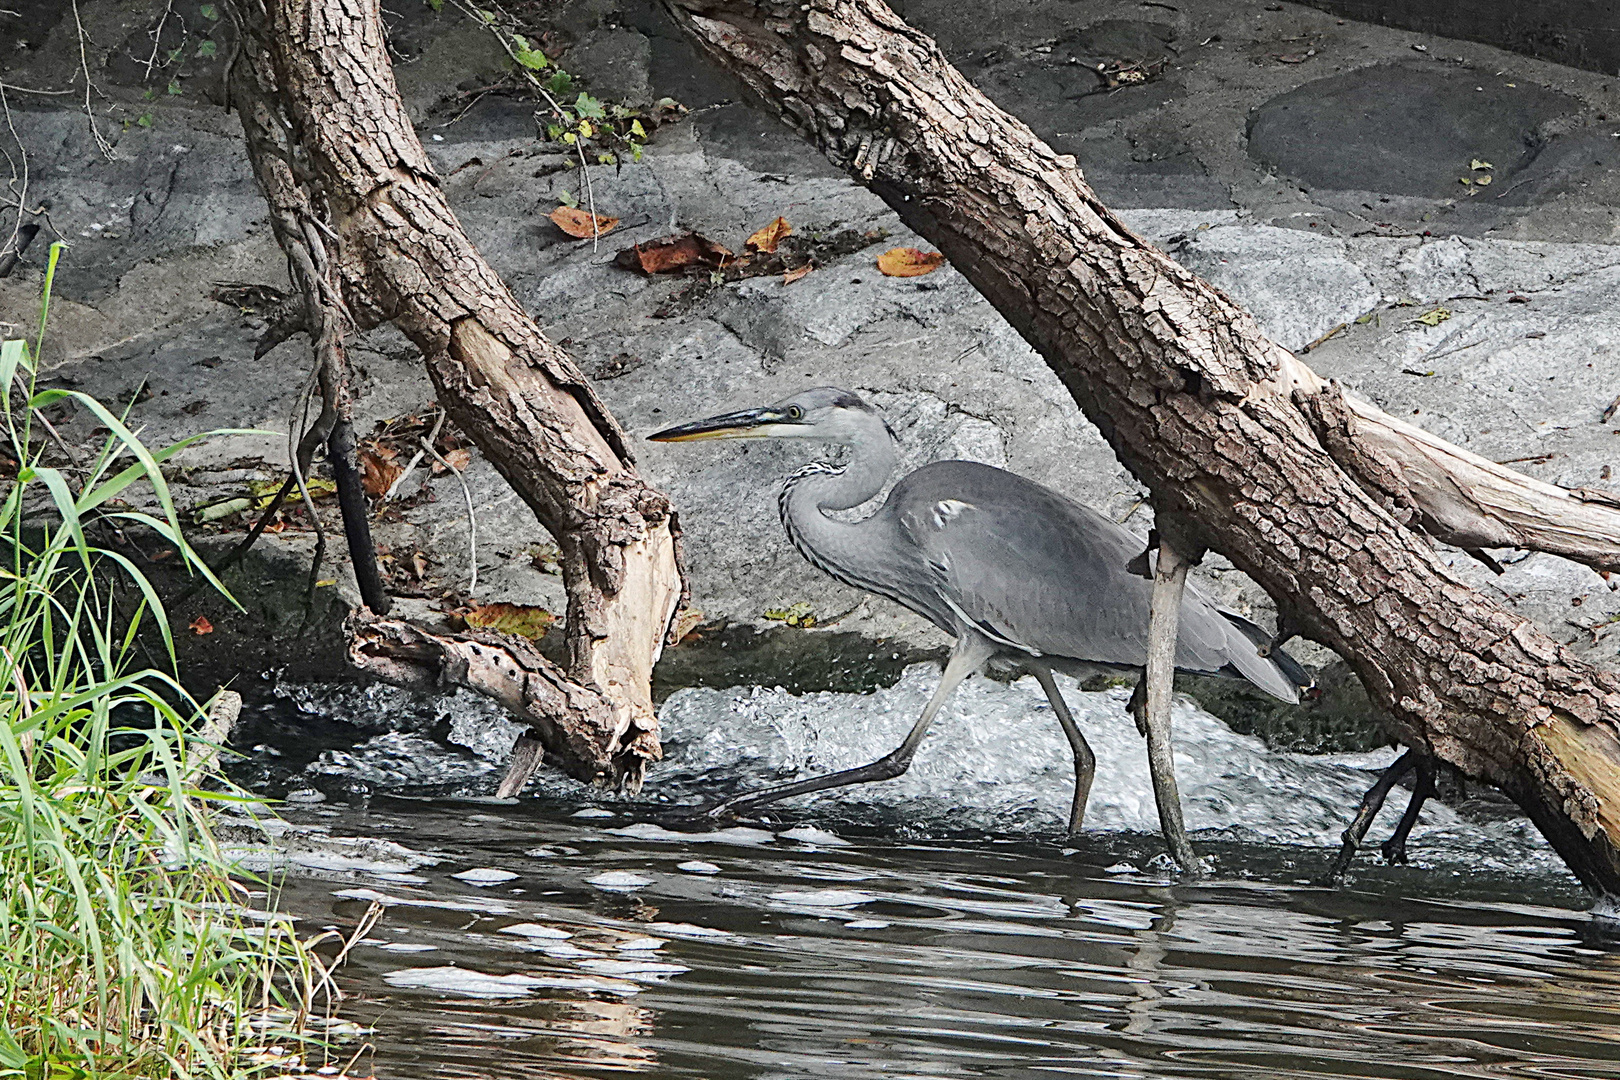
(1435, 317)
(909, 262)
(523, 620)
(1483, 181)
(801, 615)
(1478, 164)
(581, 224)
(768, 237)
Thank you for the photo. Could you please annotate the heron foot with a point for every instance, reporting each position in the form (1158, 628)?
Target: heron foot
(1371, 803)
(1394, 848)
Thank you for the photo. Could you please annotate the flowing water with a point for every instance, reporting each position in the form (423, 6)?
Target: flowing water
(935, 926)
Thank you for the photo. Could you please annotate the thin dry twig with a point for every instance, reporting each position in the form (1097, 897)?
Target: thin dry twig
(84, 66)
(157, 37)
(416, 459)
(30, 90)
(472, 517)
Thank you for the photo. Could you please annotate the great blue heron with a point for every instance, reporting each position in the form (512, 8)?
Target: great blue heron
(1005, 566)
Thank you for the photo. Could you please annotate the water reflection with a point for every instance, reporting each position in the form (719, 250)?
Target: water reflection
(803, 958)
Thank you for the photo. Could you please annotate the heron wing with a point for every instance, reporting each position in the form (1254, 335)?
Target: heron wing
(1036, 571)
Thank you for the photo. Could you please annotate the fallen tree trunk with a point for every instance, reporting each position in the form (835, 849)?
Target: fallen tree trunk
(356, 205)
(1316, 496)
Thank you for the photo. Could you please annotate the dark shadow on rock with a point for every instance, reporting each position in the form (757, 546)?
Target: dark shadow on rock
(1344, 720)
(799, 661)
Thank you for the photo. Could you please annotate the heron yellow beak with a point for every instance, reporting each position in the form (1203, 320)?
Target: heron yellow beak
(746, 424)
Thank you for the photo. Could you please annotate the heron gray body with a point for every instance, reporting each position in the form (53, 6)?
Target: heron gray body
(1004, 565)
(971, 547)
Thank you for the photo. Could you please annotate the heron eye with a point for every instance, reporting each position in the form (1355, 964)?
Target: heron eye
(795, 413)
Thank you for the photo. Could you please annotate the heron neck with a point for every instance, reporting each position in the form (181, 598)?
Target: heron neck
(840, 548)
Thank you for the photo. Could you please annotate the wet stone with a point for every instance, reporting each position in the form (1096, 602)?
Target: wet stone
(1405, 129)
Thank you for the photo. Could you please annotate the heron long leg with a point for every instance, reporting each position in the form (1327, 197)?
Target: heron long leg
(970, 652)
(1371, 803)
(1085, 762)
(1169, 581)
(1395, 847)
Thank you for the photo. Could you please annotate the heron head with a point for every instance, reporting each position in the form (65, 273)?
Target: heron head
(829, 413)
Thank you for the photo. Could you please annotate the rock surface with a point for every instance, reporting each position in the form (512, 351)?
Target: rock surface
(1275, 152)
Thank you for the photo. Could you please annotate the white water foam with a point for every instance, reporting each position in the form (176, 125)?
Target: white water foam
(997, 760)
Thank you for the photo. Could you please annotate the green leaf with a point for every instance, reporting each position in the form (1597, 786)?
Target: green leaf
(144, 120)
(436, 5)
(528, 56)
(1435, 317)
(585, 105)
(567, 198)
(220, 510)
(636, 130)
(207, 49)
(1478, 164)
(45, 300)
(560, 82)
(211, 12)
(174, 87)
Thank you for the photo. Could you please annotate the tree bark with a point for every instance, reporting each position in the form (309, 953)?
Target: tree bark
(1316, 496)
(347, 179)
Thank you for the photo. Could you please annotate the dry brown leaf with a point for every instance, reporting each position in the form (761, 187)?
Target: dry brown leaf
(689, 620)
(377, 470)
(457, 459)
(524, 620)
(673, 254)
(200, 626)
(909, 262)
(582, 224)
(796, 273)
(767, 238)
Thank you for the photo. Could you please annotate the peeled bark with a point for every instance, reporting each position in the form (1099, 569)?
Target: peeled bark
(344, 174)
(1316, 496)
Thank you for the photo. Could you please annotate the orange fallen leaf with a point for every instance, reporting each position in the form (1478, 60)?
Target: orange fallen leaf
(796, 273)
(672, 254)
(457, 459)
(200, 626)
(767, 238)
(582, 224)
(909, 262)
